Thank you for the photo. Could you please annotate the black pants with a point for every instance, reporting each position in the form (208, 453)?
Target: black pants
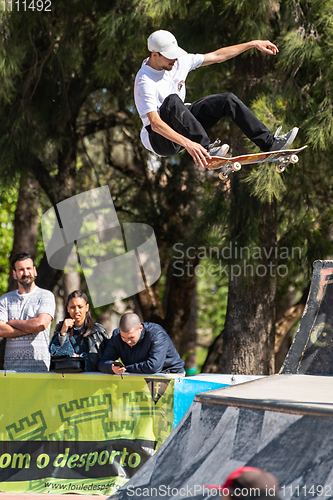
(196, 120)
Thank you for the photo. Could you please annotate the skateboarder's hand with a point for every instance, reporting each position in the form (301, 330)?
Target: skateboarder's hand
(198, 153)
(266, 46)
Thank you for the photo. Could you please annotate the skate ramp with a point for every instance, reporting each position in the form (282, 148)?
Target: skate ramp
(312, 349)
(282, 423)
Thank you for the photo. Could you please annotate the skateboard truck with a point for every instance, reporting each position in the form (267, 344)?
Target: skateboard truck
(280, 168)
(234, 168)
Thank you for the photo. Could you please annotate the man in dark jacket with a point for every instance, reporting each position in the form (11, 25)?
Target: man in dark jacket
(142, 348)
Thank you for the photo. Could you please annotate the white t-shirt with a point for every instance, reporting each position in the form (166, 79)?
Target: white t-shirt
(152, 87)
(29, 353)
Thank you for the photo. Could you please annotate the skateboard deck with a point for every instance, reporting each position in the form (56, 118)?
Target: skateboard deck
(228, 165)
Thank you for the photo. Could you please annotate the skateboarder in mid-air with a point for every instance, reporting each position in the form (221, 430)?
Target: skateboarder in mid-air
(169, 125)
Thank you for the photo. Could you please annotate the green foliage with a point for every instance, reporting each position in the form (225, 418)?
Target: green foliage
(66, 95)
(263, 180)
(8, 199)
(212, 297)
(266, 183)
(320, 126)
(307, 57)
(292, 89)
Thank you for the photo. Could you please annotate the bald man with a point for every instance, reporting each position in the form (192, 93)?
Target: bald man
(142, 348)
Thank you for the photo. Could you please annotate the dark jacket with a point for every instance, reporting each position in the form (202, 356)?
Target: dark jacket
(153, 353)
(92, 349)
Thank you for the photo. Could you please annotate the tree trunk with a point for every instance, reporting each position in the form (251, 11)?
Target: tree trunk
(188, 344)
(212, 363)
(71, 278)
(178, 299)
(174, 314)
(249, 333)
(26, 221)
(148, 305)
(59, 188)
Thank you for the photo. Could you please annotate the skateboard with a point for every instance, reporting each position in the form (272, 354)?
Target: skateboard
(283, 158)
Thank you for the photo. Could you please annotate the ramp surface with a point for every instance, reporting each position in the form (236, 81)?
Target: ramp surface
(258, 424)
(312, 350)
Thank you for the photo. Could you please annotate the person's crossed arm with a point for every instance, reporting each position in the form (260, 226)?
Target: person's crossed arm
(19, 327)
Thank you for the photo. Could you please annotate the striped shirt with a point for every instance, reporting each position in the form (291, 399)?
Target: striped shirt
(28, 353)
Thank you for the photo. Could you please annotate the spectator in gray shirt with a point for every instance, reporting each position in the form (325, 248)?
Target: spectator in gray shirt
(25, 318)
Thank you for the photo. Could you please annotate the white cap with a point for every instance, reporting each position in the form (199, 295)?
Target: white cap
(166, 44)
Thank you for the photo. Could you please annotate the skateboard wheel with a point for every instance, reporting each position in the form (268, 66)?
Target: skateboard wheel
(236, 166)
(223, 176)
(280, 168)
(293, 159)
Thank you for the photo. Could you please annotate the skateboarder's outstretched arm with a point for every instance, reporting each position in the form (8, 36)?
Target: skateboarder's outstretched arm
(198, 152)
(225, 53)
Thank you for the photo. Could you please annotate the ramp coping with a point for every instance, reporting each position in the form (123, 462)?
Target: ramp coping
(299, 394)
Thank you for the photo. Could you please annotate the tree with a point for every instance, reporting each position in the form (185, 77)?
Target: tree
(67, 118)
(68, 78)
(246, 223)
(298, 94)
(8, 200)
(26, 221)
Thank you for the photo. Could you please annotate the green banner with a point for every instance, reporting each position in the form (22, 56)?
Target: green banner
(84, 433)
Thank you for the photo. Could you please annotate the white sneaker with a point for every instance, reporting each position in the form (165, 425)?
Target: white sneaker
(216, 150)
